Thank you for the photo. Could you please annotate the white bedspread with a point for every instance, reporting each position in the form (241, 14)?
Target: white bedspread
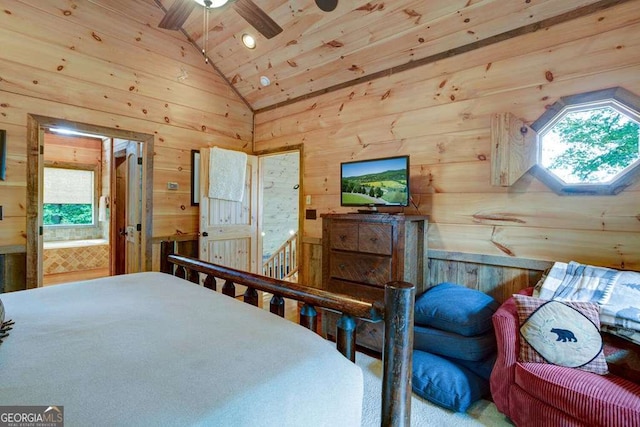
(151, 349)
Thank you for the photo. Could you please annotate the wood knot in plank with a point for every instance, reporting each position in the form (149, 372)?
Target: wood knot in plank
(386, 94)
(95, 36)
(334, 43)
(371, 7)
(549, 76)
(291, 42)
(292, 63)
(503, 248)
(413, 14)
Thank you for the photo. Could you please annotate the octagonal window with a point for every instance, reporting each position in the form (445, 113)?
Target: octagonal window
(590, 143)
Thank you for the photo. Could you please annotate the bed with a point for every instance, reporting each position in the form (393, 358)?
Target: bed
(154, 349)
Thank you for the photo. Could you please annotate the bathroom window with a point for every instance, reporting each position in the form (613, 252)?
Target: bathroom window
(69, 197)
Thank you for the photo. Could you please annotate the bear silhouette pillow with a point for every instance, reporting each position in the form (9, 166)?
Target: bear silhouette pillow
(563, 333)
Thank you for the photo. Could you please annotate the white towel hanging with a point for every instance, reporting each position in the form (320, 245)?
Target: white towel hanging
(227, 169)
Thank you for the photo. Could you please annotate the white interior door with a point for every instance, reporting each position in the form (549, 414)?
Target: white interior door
(133, 209)
(228, 229)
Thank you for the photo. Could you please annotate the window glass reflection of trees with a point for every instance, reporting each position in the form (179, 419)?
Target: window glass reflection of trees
(590, 145)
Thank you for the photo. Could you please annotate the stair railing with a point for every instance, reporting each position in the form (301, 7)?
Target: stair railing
(283, 263)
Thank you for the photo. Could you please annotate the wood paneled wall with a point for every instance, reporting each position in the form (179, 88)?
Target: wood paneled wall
(91, 62)
(440, 114)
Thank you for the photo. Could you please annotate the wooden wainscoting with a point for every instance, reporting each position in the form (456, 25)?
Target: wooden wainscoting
(498, 276)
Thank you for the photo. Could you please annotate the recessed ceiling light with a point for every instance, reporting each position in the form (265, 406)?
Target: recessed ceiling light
(248, 41)
(264, 81)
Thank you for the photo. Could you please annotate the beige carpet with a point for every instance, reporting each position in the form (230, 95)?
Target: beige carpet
(423, 412)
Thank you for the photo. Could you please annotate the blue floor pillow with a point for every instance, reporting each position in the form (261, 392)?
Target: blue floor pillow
(452, 345)
(482, 368)
(456, 309)
(445, 383)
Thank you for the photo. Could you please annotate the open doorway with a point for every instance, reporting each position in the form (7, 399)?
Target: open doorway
(280, 214)
(137, 254)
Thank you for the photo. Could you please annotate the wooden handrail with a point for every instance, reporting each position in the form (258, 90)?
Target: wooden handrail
(397, 313)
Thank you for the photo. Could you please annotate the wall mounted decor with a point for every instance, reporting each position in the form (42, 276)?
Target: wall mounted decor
(3, 154)
(195, 178)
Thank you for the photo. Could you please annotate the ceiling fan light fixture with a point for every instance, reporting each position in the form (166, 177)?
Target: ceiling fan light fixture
(264, 81)
(249, 41)
(212, 3)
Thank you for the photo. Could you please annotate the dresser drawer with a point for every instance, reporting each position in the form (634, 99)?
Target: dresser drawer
(370, 269)
(344, 236)
(375, 238)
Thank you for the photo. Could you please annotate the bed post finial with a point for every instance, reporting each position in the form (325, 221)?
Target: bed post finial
(399, 299)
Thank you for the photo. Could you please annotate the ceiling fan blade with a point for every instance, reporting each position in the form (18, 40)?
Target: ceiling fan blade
(177, 14)
(327, 5)
(258, 19)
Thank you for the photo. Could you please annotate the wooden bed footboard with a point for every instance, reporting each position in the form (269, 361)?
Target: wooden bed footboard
(396, 311)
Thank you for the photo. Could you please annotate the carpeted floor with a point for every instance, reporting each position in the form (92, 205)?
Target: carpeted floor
(423, 413)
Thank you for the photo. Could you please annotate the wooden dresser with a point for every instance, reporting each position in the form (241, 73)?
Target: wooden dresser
(362, 252)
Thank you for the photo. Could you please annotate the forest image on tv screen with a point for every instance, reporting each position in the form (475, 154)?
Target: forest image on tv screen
(377, 182)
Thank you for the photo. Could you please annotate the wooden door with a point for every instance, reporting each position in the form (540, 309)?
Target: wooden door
(228, 229)
(118, 213)
(133, 209)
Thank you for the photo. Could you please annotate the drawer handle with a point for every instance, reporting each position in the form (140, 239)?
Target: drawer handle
(343, 237)
(374, 239)
(342, 266)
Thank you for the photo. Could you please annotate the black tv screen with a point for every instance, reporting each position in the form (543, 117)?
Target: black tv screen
(375, 182)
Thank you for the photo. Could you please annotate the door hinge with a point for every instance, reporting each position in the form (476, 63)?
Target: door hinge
(138, 227)
(139, 160)
(42, 149)
(40, 231)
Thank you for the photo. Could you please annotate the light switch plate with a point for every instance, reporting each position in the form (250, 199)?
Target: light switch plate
(172, 185)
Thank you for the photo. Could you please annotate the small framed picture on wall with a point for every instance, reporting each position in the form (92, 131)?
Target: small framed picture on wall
(3, 154)
(195, 178)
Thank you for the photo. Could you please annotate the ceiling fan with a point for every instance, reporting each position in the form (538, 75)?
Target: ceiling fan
(327, 5)
(251, 12)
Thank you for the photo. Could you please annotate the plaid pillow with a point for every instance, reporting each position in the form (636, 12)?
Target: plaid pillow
(563, 333)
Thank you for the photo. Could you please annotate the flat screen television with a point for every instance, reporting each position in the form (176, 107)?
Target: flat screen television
(376, 182)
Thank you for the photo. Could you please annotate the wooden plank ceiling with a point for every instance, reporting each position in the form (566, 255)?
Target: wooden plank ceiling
(319, 51)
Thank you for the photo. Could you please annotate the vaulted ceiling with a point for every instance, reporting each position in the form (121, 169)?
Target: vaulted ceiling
(319, 51)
